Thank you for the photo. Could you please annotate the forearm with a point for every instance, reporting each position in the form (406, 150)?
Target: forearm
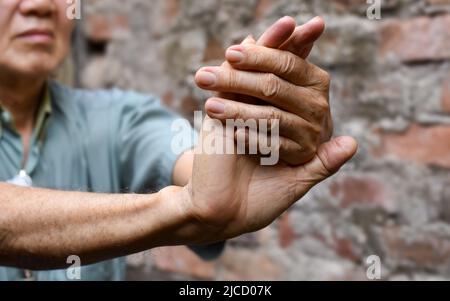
(40, 228)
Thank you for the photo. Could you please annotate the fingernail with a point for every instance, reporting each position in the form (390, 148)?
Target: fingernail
(235, 54)
(316, 18)
(286, 18)
(347, 143)
(206, 78)
(215, 107)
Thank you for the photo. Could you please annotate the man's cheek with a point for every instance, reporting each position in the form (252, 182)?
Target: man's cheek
(4, 53)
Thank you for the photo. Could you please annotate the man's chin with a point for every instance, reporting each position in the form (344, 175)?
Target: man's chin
(35, 70)
(35, 63)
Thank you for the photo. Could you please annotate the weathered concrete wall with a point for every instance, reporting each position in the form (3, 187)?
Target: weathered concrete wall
(391, 90)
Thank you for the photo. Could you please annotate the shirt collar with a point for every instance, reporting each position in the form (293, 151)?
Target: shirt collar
(45, 110)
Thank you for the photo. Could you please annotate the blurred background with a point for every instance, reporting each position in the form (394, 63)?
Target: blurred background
(391, 90)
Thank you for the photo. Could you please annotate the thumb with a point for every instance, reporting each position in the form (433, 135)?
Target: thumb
(330, 157)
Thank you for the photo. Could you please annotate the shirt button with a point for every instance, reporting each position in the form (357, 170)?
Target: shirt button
(6, 117)
(29, 276)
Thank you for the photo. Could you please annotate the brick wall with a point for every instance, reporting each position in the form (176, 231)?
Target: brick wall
(391, 90)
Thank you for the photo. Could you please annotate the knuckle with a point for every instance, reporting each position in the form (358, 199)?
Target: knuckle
(271, 86)
(237, 112)
(309, 150)
(256, 58)
(288, 64)
(324, 78)
(274, 119)
(257, 55)
(280, 145)
(316, 131)
(310, 138)
(322, 109)
(274, 114)
(231, 79)
(313, 149)
(309, 133)
(297, 148)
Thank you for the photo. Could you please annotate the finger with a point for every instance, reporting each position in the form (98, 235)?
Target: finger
(279, 62)
(306, 51)
(278, 33)
(306, 103)
(304, 36)
(289, 151)
(288, 125)
(249, 40)
(330, 157)
(243, 98)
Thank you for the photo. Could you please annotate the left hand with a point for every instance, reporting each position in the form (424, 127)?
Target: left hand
(296, 91)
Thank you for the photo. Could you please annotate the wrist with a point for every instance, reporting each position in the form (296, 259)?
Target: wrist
(184, 228)
(189, 228)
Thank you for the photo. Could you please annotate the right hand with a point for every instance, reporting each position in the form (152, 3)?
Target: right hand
(284, 35)
(297, 42)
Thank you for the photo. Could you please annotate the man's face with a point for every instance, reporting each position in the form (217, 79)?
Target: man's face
(34, 36)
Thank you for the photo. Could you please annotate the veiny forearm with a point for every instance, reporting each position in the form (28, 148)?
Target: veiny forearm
(40, 228)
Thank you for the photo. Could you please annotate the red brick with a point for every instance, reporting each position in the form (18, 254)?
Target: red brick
(446, 95)
(189, 104)
(345, 248)
(263, 7)
(439, 2)
(168, 99)
(342, 246)
(421, 144)
(345, 5)
(172, 9)
(103, 28)
(359, 190)
(422, 248)
(252, 265)
(183, 261)
(214, 51)
(418, 39)
(286, 232)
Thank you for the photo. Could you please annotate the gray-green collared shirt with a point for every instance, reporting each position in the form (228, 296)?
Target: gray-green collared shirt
(98, 141)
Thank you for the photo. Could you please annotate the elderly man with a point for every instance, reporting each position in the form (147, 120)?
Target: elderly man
(80, 150)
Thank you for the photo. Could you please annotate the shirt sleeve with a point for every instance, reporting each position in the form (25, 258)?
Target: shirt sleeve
(150, 140)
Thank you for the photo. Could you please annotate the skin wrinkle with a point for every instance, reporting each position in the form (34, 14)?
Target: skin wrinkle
(35, 258)
(5, 238)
